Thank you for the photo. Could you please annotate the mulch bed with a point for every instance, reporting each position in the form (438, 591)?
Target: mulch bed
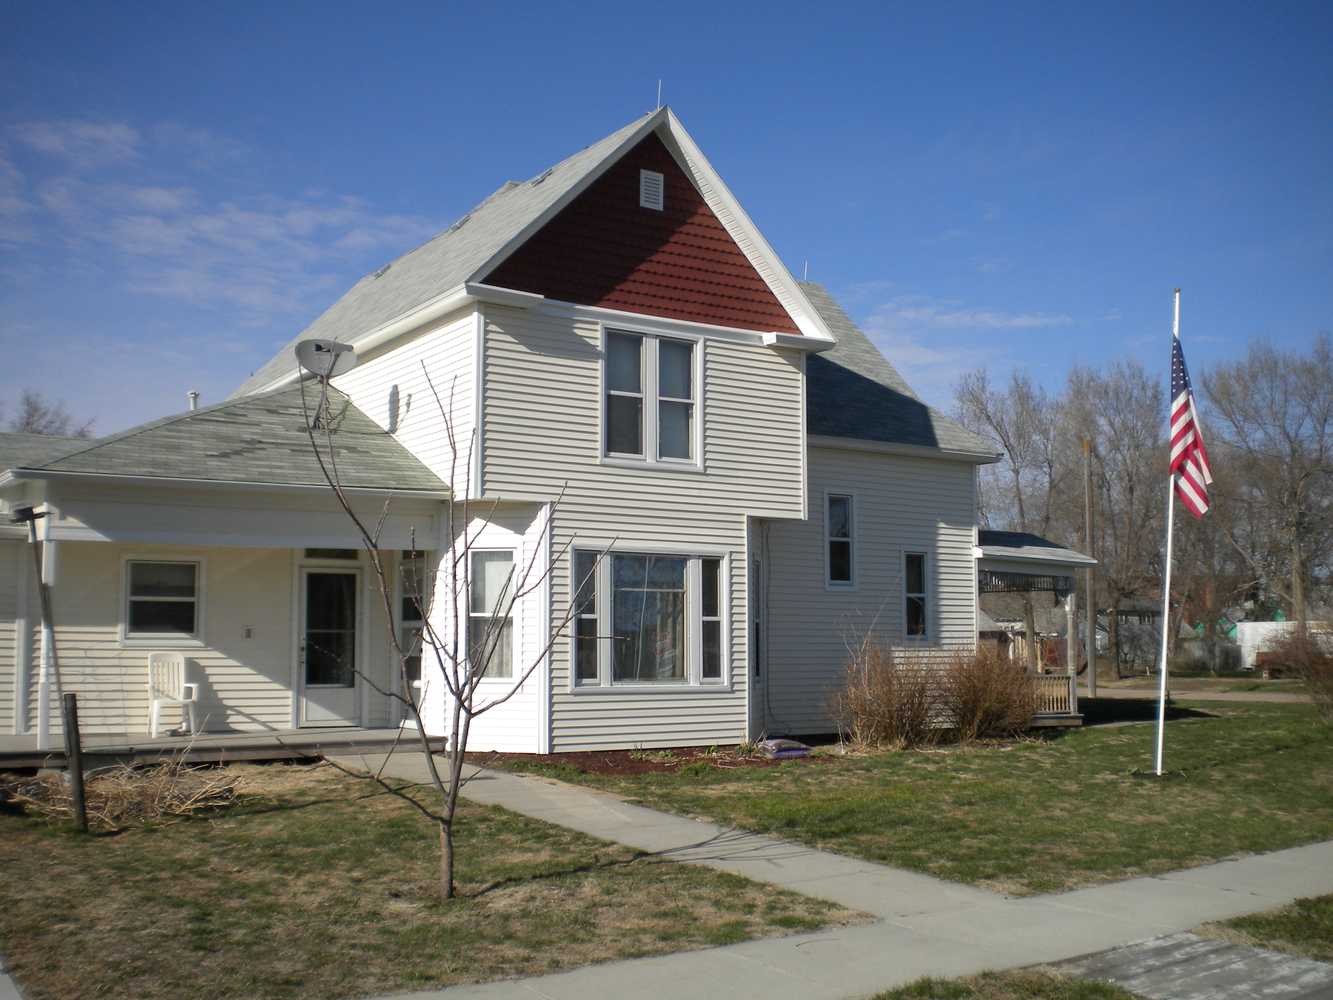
(626, 762)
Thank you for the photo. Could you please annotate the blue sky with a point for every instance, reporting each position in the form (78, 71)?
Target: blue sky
(184, 186)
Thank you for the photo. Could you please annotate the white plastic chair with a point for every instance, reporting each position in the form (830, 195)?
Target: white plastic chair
(166, 685)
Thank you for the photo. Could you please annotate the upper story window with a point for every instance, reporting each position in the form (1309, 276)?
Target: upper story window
(163, 599)
(651, 406)
(915, 613)
(838, 539)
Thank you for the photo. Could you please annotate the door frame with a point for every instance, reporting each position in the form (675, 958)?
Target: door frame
(301, 565)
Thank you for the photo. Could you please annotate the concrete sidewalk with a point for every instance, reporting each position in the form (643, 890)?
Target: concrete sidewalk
(926, 926)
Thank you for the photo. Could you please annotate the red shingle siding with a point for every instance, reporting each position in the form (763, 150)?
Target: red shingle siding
(681, 263)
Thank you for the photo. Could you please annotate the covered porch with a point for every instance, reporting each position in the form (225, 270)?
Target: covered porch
(213, 539)
(1019, 563)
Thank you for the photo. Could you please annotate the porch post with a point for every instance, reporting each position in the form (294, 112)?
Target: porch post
(22, 645)
(1072, 645)
(46, 568)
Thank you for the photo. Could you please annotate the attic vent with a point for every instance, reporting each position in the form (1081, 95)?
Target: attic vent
(380, 272)
(650, 190)
(460, 223)
(542, 176)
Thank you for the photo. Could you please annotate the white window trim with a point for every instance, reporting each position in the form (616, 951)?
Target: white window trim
(926, 570)
(161, 640)
(694, 682)
(829, 582)
(651, 398)
(515, 616)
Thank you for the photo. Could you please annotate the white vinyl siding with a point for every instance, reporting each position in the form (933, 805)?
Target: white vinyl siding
(11, 552)
(903, 504)
(395, 390)
(543, 436)
(243, 660)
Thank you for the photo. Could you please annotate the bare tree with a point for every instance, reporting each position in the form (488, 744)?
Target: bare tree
(448, 655)
(1273, 415)
(1020, 493)
(39, 415)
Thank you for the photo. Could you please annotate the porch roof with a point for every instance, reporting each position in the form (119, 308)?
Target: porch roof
(258, 440)
(1022, 546)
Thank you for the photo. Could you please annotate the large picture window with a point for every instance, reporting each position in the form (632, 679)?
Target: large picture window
(490, 626)
(647, 619)
(163, 599)
(651, 405)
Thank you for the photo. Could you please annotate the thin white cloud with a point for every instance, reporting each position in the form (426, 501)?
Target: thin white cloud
(83, 144)
(922, 312)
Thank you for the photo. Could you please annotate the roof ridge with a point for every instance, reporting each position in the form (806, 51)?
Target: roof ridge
(174, 418)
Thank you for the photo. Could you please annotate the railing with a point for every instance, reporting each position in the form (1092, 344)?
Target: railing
(1056, 694)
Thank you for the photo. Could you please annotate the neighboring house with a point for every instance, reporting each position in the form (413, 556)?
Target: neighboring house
(630, 373)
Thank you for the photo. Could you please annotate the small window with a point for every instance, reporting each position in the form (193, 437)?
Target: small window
(915, 612)
(651, 188)
(163, 598)
(838, 527)
(490, 632)
(413, 602)
(711, 616)
(624, 394)
(585, 617)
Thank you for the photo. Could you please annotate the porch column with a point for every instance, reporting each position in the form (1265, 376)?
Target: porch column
(47, 670)
(1072, 646)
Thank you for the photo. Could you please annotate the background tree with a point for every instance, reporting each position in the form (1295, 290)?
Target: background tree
(38, 415)
(1272, 419)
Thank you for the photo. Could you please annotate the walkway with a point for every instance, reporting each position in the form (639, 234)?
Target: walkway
(926, 926)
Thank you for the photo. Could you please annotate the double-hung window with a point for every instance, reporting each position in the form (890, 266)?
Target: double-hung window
(163, 599)
(651, 405)
(647, 619)
(413, 604)
(838, 529)
(490, 625)
(917, 606)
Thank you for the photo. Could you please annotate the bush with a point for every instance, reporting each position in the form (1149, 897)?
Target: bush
(1307, 653)
(986, 695)
(884, 702)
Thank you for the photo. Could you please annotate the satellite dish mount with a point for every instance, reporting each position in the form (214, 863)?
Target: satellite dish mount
(325, 358)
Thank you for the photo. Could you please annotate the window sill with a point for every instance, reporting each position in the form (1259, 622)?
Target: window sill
(165, 641)
(602, 690)
(649, 466)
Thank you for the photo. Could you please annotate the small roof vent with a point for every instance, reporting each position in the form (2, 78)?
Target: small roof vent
(460, 223)
(650, 190)
(380, 272)
(542, 176)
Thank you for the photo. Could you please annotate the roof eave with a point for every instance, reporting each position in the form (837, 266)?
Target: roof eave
(13, 476)
(896, 448)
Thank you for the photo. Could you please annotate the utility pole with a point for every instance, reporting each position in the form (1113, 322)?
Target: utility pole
(1091, 603)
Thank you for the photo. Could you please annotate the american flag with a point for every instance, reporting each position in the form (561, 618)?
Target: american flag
(1189, 458)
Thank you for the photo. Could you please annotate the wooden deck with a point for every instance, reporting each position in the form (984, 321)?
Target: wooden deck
(21, 753)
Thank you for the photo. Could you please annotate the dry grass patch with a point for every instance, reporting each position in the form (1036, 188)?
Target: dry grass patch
(314, 885)
(1025, 984)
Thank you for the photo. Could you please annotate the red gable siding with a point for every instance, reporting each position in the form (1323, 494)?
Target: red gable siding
(604, 250)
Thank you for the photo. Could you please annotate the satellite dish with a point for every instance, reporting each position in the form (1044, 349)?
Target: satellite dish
(325, 358)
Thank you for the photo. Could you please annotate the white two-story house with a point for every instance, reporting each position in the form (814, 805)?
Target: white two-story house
(603, 372)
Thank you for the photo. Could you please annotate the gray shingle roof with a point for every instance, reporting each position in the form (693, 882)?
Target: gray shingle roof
(446, 261)
(1024, 545)
(18, 449)
(852, 391)
(256, 439)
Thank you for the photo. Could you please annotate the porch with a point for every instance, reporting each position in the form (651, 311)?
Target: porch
(1019, 563)
(21, 752)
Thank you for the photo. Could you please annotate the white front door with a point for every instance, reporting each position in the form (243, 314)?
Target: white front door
(328, 648)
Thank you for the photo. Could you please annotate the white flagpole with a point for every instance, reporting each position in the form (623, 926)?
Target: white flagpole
(1166, 576)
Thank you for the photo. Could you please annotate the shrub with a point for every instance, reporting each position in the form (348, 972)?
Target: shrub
(1307, 653)
(986, 695)
(884, 701)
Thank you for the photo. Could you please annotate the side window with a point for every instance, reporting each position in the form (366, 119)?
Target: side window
(162, 599)
(916, 611)
(624, 395)
(490, 626)
(651, 407)
(838, 533)
(675, 399)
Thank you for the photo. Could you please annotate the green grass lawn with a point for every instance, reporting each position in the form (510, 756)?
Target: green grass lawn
(1304, 928)
(1022, 985)
(1036, 815)
(316, 885)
